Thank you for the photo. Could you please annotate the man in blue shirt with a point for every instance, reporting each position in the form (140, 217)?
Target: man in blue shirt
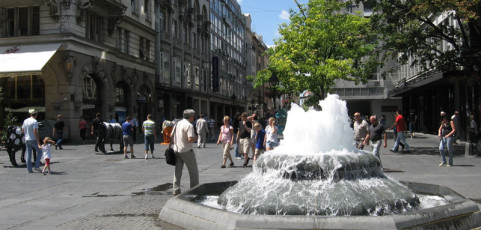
(127, 130)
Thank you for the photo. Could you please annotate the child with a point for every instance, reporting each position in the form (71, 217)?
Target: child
(260, 144)
(47, 154)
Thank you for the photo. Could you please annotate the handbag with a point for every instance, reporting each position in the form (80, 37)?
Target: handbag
(169, 152)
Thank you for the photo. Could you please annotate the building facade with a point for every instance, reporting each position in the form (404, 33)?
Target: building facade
(373, 97)
(77, 58)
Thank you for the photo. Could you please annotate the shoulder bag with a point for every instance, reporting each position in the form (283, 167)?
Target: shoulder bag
(169, 152)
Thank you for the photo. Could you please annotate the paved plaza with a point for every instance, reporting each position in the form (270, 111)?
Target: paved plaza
(96, 191)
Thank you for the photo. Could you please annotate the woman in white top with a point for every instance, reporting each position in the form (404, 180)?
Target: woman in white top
(226, 136)
(271, 140)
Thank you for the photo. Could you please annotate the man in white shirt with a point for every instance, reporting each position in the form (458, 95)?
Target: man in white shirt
(183, 136)
(202, 130)
(32, 141)
(361, 131)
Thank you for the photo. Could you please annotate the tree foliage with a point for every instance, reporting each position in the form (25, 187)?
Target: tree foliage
(408, 27)
(321, 44)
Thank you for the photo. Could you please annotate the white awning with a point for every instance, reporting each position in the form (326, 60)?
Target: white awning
(25, 59)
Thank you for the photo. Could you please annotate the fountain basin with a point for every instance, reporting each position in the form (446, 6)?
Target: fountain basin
(183, 211)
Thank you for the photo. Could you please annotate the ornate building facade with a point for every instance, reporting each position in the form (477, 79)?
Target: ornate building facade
(77, 58)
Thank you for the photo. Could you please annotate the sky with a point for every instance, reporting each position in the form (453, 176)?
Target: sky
(266, 16)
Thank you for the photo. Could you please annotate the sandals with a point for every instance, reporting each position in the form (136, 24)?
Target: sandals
(222, 166)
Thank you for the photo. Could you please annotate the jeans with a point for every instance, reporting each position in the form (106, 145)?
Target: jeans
(149, 142)
(400, 139)
(376, 146)
(32, 144)
(236, 149)
(446, 143)
(59, 136)
(189, 159)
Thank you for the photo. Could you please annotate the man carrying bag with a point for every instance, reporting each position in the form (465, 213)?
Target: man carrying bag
(183, 136)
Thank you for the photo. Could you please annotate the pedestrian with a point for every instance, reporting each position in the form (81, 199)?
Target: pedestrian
(32, 141)
(235, 122)
(271, 134)
(260, 141)
(82, 126)
(95, 130)
(243, 137)
(412, 122)
(135, 124)
(446, 134)
(47, 154)
(150, 136)
(361, 130)
(183, 136)
(400, 125)
(112, 120)
(127, 130)
(473, 133)
(383, 120)
(58, 129)
(376, 133)
(211, 125)
(253, 119)
(455, 119)
(226, 136)
(202, 130)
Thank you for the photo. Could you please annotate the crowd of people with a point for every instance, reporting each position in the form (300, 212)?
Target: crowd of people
(372, 133)
(246, 132)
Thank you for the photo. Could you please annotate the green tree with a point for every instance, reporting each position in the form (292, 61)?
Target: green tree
(321, 44)
(409, 27)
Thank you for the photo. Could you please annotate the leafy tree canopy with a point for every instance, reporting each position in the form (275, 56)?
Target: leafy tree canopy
(321, 44)
(426, 27)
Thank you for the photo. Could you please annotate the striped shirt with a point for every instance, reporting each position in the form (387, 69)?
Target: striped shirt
(148, 127)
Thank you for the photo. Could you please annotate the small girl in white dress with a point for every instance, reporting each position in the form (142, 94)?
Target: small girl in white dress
(47, 154)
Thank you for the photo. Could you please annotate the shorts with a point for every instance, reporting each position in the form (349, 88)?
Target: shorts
(128, 140)
(244, 145)
(271, 144)
(149, 142)
(47, 161)
(258, 152)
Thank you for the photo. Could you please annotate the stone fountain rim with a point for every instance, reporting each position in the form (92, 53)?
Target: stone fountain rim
(181, 211)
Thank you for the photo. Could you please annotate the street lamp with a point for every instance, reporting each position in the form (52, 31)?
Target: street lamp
(274, 81)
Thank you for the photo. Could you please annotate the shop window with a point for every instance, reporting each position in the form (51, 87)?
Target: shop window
(22, 21)
(25, 87)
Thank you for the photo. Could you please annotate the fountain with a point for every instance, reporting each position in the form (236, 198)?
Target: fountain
(317, 179)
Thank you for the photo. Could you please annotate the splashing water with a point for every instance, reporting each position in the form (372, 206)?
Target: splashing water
(317, 171)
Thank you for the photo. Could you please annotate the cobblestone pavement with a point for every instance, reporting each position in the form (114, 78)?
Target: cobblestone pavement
(96, 191)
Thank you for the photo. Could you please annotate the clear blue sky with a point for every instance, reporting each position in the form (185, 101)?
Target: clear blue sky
(267, 15)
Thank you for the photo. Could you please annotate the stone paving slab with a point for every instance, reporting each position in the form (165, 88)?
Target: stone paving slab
(96, 191)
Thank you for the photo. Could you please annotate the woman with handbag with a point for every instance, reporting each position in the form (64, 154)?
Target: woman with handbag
(226, 136)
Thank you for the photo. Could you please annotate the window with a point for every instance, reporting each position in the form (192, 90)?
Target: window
(133, 5)
(177, 66)
(144, 49)
(126, 41)
(25, 87)
(119, 38)
(23, 21)
(166, 67)
(94, 27)
(147, 9)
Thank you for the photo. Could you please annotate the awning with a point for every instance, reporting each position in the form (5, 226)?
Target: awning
(25, 59)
